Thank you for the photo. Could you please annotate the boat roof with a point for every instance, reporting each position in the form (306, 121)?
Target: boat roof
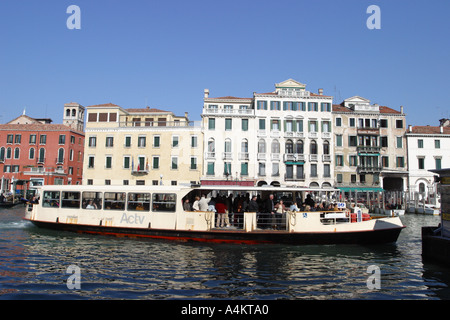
(162, 188)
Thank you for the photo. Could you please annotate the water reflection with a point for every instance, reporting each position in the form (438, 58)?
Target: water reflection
(33, 263)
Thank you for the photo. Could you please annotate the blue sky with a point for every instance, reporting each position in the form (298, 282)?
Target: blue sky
(165, 53)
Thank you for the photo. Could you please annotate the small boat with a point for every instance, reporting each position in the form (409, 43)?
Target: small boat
(157, 212)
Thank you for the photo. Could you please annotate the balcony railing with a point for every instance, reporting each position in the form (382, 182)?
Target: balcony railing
(368, 169)
(368, 149)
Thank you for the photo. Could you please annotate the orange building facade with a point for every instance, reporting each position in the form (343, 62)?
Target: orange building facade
(35, 152)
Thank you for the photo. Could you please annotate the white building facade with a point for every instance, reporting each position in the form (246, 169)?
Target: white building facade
(277, 138)
(428, 149)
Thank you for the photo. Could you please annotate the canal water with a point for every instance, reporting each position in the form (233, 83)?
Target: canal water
(43, 264)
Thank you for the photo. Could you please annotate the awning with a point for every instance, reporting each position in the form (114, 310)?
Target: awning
(295, 162)
(369, 154)
(361, 189)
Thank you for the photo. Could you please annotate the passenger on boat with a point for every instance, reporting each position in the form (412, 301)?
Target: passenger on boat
(203, 203)
(221, 213)
(187, 205)
(309, 201)
(276, 217)
(253, 205)
(195, 206)
(294, 207)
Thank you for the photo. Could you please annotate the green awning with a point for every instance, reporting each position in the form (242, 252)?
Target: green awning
(295, 162)
(368, 189)
(369, 154)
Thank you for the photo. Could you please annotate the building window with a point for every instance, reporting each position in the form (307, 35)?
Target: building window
(353, 178)
(437, 144)
(326, 171)
(142, 141)
(384, 142)
(339, 178)
(339, 160)
(16, 153)
(194, 141)
(399, 142)
(211, 124)
(313, 170)
(18, 139)
(41, 155)
(30, 155)
(193, 163)
(244, 169)
(262, 124)
(244, 124)
(92, 141)
(383, 123)
(108, 164)
(210, 169)
(275, 105)
(156, 141)
(399, 124)
(421, 163)
(43, 139)
(109, 142)
(438, 162)
(155, 162)
(338, 140)
(338, 122)
(61, 155)
(91, 161)
(351, 122)
(261, 169)
(420, 143)
(275, 169)
(174, 165)
(126, 162)
(175, 141)
(62, 139)
(353, 161)
(261, 105)
(32, 139)
(352, 141)
(385, 161)
(400, 162)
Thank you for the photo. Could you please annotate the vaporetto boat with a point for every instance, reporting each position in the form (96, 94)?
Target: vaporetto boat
(157, 212)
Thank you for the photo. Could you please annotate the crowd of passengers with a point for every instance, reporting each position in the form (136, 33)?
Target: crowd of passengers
(270, 212)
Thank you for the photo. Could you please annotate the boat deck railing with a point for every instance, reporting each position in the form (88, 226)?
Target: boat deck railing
(277, 221)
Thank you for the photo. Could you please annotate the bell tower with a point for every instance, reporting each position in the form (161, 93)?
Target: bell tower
(74, 116)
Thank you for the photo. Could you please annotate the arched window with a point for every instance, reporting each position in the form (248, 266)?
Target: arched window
(211, 145)
(68, 113)
(289, 148)
(2, 154)
(227, 145)
(61, 155)
(326, 147)
(275, 146)
(244, 146)
(299, 147)
(421, 187)
(41, 155)
(261, 146)
(74, 112)
(31, 154)
(8, 153)
(16, 153)
(313, 147)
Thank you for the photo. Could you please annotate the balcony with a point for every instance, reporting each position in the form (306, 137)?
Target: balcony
(326, 158)
(368, 149)
(275, 134)
(261, 156)
(313, 135)
(326, 135)
(298, 177)
(261, 133)
(227, 156)
(210, 155)
(313, 157)
(368, 169)
(139, 172)
(294, 157)
(243, 155)
(275, 156)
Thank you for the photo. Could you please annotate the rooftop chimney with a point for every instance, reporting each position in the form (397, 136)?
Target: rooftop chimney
(206, 93)
(401, 109)
(410, 128)
(441, 128)
(321, 91)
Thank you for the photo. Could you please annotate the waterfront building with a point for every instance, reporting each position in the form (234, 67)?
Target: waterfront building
(370, 146)
(40, 152)
(428, 149)
(278, 138)
(144, 146)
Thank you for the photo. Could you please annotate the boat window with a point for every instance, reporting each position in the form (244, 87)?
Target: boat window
(115, 200)
(92, 200)
(51, 199)
(138, 202)
(164, 202)
(70, 199)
